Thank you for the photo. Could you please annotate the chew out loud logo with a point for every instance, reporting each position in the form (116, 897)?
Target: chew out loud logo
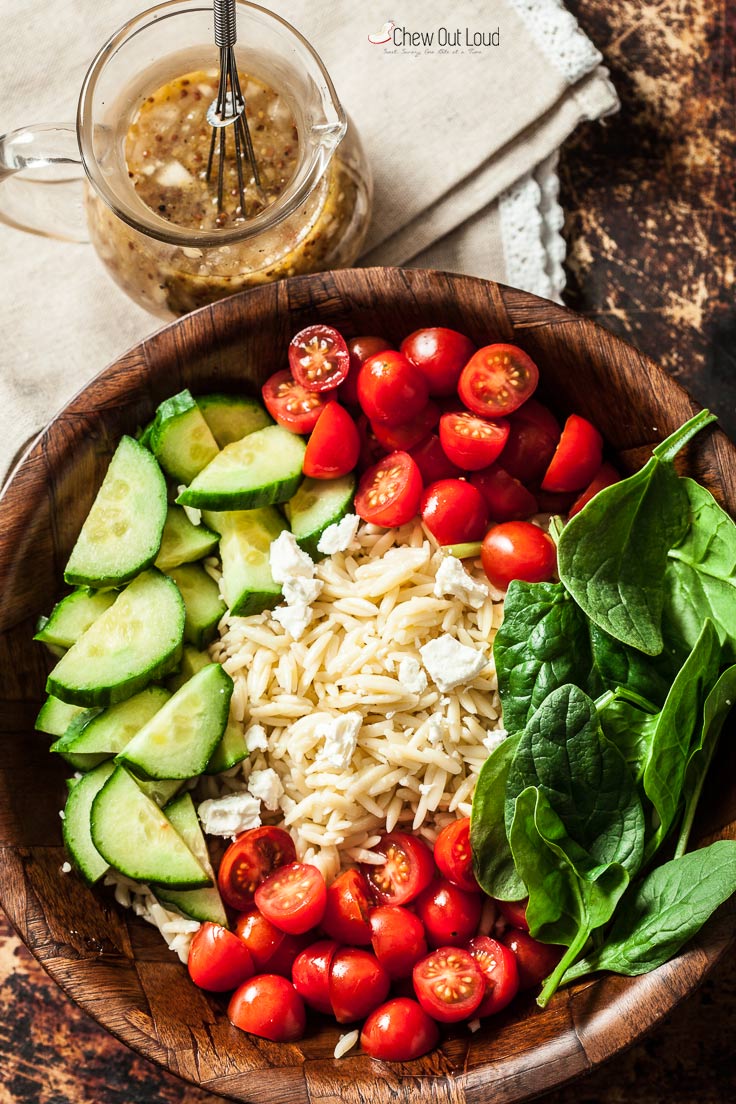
(393, 34)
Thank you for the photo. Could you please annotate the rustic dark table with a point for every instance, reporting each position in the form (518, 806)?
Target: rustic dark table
(650, 198)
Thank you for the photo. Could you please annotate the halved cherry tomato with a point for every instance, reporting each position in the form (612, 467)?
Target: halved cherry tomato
(533, 438)
(497, 380)
(360, 349)
(407, 870)
(346, 912)
(534, 960)
(498, 966)
(453, 855)
(399, 1031)
(248, 861)
(408, 434)
(577, 457)
(514, 913)
(218, 960)
(311, 974)
(518, 550)
(507, 498)
(449, 984)
(454, 512)
(606, 476)
(450, 915)
(334, 446)
(358, 984)
(390, 389)
(291, 405)
(269, 1006)
(318, 358)
(389, 492)
(262, 939)
(472, 442)
(440, 355)
(431, 459)
(398, 939)
(293, 898)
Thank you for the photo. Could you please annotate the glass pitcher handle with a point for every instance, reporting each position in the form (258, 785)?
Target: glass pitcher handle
(41, 182)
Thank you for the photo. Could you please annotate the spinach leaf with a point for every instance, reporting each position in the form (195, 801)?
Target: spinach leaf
(492, 860)
(657, 916)
(631, 730)
(613, 554)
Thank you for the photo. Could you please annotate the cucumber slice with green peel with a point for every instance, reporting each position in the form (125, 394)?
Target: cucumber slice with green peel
(265, 467)
(76, 823)
(317, 504)
(199, 904)
(232, 417)
(181, 439)
(73, 615)
(179, 741)
(161, 791)
(138, 639)
(106, 733)
(230, 751)
(191, 662)
(133, 835)
(55, 716)
(122, 532)
(183, 542)
(202, 602)
(143, 436)
(245, 545)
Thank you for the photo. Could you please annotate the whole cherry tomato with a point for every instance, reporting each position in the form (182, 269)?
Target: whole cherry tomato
(293, 898)
(454, 511)
(450, 915)
(218, 960)
(334, 446)
(398, 939)
(407, 434)
(507, 498)
(533, 436)
(440, 355)
(291, 405)
(319, 358)
(498, 966)
(390, 389)
(399, 1031)
(358, 984)
(269, 1006)
(534, 960)
(577, 457)
(497, 380)
(472, 442)
(514, 913)
(249, 860)
(407, 870)
(431, 459)
(360, 349)
(346, 911)
(389, 492)
(449, 984)
(606, 476)
(453, 855)
(310, 974)
(518, 550)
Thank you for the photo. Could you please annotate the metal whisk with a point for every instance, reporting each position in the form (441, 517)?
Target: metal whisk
(229, 110)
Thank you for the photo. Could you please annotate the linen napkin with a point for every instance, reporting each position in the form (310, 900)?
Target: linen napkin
(461, 110)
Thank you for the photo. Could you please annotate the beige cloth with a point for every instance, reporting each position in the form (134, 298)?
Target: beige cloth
(462, 144)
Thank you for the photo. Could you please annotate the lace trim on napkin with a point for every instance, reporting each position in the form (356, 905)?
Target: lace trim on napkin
(558, 35)
(531, 219)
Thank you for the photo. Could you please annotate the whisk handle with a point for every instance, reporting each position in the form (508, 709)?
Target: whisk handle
(226, 33)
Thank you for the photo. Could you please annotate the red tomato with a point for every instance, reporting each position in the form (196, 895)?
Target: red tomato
(399, 1031)
(218, 960)
(440, 355)
(431, 459)
(318, 358)
(518, 550)
(268, 1006)
(334, 446)
(449, 914)
(261, 938)
(497, 380)
(311, 974)
(358, 984)
(507, 498)
(346, 912)
(454, 512)
(514, 913)
(389, 492)
(360, 349)
(293, 898)
(291, 405)
(533, 437)
(498, 966)
(390, 389)
(606, 476)
(449, 984)
(408, 869)
(577, 458)
(472, 442)
(408, 434)
(453, 856)
(370, 450)
(398, 939)
(248, 861)
(534, 960)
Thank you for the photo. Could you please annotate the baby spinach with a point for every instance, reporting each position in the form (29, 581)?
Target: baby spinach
(631, 729)
(492, 859)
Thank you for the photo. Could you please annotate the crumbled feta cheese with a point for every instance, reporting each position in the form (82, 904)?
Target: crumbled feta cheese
(425, 788)
(294, 618)
(411, 675)
(62, 814)
(255, 738)
(229, 815)
(294, 569)
(193, 514)
(494, 739)
(339, 536)
(288, 561)
(66, 868)
(453, 579)
(301, 591)
(451, 663)
(436, 729)
(266, 786)
(340, 740)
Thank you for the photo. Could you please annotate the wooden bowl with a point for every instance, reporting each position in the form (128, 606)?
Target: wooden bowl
(116, 966)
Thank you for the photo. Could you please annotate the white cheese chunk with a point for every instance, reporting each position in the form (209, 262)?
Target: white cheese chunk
(266, 786)
(295, 619)
(452, 579)
(494, 738)
(255, 738)
(288, 561)
(339, 536)
(301, 591)
(340, 739)
(411, 676)
(450, 663)
(229, 815)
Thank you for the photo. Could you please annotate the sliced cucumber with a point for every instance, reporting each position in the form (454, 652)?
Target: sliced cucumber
(133, 835)
(76, 823)
(161, 791)
(90, 740)
(317, 504)
(179, 741)
(181, 439)
(191, 662)
(122, 532)
(230, 750)
(183, 542)
(136, 640)
(55, 716)
(245, 544)
(200, 904)
(265, 467)
(232, 417)
(143, 435)
(73, 615)
(202, 602)
(466, 551)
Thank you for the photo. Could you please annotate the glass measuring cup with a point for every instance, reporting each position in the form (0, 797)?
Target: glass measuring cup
(72, 182)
